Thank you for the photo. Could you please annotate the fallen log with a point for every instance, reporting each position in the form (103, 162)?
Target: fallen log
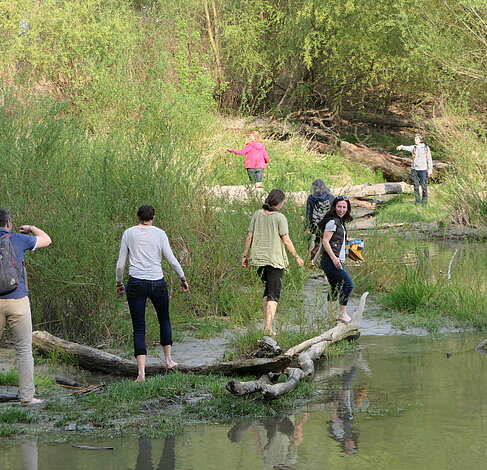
(95, 359)
(245, 193)
(269, 390)
(393, 167)
(319, 345)
(273, 392)
(66, 382)
(6, 397)
(306, 359)
(333, 335)
(246, 388)
(326, 336)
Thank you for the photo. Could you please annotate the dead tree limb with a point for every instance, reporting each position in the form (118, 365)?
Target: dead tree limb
(330, 335)
(482, 347)
(273, 392)
(246, 388)
(6, 397)
(306, 359)
(94, 359)
(326, 336)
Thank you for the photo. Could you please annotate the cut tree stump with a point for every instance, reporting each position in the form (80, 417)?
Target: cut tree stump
(95, 359)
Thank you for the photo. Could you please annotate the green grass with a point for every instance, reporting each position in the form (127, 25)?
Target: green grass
(11, 377)
(7, 430)
(403, 209)
(160, 405)
(15, 415)
(291, 166)
(410, 276)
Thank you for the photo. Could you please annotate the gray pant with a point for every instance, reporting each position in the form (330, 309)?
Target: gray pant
(255, 174)
(17, 313)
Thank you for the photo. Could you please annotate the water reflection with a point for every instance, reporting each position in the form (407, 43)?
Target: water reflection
(342, 406)
(275, 440)
(168, 456)
(29, 454)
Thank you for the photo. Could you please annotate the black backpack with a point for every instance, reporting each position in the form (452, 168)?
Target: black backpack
(320, 208)
(10, 270)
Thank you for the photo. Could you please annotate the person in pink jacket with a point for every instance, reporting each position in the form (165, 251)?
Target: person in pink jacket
(256, 157)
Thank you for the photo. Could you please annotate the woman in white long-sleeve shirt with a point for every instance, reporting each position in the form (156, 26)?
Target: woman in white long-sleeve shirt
(144, 245)
(421, 167)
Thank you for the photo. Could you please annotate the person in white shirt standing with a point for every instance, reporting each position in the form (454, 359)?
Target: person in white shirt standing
(421, 168)
(144, 245)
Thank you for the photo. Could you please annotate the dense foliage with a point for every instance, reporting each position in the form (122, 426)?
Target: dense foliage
(108, 104)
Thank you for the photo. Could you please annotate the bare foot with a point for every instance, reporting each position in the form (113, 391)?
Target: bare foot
(139, 379)
(171, 365)
(34, 401)
(345, 319)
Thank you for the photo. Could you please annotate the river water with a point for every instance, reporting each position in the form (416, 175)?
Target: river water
(400, 402)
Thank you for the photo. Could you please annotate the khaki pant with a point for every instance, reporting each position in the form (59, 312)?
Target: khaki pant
(17, 313)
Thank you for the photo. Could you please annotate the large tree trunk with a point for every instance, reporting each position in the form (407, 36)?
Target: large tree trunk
(394, 168)
(94, 359)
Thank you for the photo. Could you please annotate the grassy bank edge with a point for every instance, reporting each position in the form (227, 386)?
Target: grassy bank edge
(154, 408)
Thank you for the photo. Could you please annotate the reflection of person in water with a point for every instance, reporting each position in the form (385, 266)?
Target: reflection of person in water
(168, 456)
(276, 440)
(341, 413)
(29, 454)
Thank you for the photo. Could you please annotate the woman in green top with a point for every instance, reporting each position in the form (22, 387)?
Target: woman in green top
(267, 240)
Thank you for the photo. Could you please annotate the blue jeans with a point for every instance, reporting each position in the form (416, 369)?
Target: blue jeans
(255, 174)
(138, 291)
(341, 284)
(420, 177)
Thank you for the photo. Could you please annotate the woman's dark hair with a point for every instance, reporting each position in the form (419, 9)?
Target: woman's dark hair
(146, 213)
(274, 198)
(332, 212)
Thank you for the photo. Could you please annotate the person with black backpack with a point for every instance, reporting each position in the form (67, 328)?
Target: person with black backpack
(317, 205)
(14, 298)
